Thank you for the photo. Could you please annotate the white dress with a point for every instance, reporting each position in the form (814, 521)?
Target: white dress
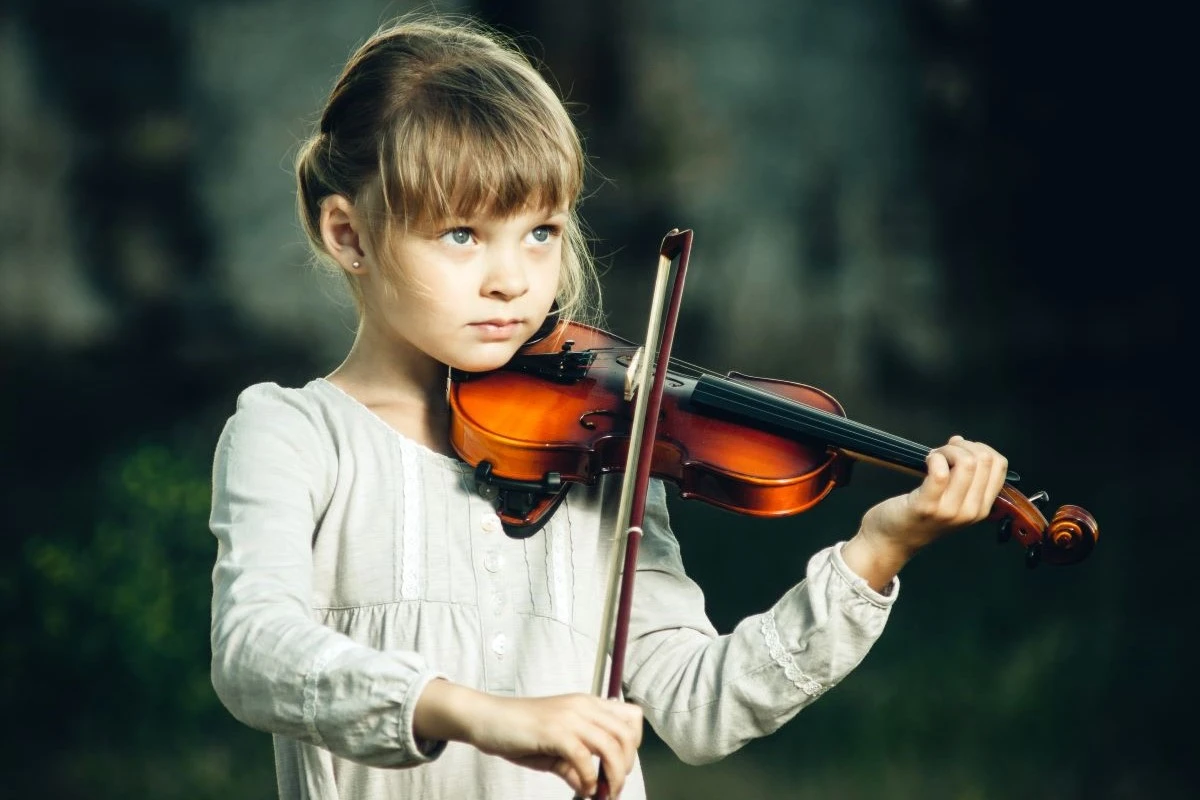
(354, 565)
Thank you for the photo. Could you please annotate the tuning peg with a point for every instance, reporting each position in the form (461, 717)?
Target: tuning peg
(1033, 555)
(1004, 533)
(1039, 498)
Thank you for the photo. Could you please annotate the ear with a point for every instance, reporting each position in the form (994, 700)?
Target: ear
(340, 227)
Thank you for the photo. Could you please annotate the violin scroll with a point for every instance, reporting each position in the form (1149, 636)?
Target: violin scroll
(1068, 538)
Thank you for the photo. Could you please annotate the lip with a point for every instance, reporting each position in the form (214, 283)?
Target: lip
(496, 330)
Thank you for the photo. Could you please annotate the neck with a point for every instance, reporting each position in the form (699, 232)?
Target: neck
(402, 385)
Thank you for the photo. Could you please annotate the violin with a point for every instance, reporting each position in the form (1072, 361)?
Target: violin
(559, 413)
(576, 402)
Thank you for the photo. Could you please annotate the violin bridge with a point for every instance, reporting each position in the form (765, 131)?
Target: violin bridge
(631, 375)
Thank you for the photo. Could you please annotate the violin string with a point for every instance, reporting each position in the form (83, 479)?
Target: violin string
(837, 429)
(846, 438)
(695, 370)
(821, 423)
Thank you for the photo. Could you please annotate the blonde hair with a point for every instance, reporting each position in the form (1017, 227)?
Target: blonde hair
(434, 119)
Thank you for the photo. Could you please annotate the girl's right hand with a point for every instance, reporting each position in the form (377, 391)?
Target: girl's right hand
(569, 735)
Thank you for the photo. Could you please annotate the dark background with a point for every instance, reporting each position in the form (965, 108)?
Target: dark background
(1040, 192)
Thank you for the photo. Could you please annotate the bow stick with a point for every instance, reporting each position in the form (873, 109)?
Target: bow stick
(627, 532)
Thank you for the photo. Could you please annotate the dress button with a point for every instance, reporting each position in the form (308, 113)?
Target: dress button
(490, 524)
(492, 561)
(500, 644)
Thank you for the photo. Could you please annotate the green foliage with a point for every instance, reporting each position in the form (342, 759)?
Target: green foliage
(110, 658)
(124, 593)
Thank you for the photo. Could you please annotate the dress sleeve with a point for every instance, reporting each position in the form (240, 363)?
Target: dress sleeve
(273, 665)
(708, 695)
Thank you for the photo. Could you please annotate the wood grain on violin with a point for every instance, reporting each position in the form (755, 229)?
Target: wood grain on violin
(558, 414)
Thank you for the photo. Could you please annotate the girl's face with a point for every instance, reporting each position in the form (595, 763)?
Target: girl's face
(471, 291)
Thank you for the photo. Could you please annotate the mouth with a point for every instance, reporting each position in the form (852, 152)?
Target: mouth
(496, 329)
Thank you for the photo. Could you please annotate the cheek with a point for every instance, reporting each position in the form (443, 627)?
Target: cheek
(432, 293)
(553, 274)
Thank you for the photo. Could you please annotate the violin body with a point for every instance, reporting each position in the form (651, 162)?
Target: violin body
(580, 430)
(560, 413)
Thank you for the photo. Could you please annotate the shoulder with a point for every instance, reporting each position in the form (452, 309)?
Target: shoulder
(273, 405)
(275, 446)
(269, 397)
(285, 419)
(276, 436)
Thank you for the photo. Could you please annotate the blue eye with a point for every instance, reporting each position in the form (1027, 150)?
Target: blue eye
(458, 236)
(543, 233)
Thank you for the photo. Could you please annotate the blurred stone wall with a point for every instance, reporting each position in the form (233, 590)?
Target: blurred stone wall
(781, 133)
(43, 292)
(796, 164)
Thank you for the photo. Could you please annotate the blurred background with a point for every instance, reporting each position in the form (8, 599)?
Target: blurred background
(953, 215)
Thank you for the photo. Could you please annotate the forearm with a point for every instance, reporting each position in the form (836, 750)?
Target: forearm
(707, 696)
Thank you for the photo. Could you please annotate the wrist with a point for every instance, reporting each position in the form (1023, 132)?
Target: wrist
(444, 711)
(875, 559)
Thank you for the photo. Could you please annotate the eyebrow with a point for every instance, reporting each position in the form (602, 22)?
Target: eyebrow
(557, 215)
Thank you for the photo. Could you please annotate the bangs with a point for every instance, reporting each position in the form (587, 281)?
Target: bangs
(494, 151)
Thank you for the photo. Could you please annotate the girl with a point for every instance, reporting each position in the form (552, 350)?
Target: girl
(368, 609)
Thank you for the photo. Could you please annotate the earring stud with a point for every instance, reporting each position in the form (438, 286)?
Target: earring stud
(355, 265)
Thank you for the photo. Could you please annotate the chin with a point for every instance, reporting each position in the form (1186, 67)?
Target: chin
(484, 359)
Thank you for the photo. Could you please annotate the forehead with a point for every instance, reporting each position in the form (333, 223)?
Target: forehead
(483, 185)
(463, 160)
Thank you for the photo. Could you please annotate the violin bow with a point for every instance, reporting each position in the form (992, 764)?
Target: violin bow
(627, 532)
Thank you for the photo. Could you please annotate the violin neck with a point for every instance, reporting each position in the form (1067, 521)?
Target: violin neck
(771, 412)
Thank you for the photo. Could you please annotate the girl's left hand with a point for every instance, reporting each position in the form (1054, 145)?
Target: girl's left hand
(962, 480)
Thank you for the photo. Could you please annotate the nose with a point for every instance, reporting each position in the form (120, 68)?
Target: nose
(506, 276)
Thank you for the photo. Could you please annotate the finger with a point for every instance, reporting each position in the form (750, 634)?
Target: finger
(577, 758)
(996, 480)
(627, 718)
(963, 464)
(929, 492)
(977, 502)
(989, 479)
(634, 718)
(563, 769)
(623, 721)
(612, 755)
(617, 763)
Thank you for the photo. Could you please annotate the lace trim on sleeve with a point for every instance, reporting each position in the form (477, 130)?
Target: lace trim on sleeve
(312, 680)
(784, 659)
